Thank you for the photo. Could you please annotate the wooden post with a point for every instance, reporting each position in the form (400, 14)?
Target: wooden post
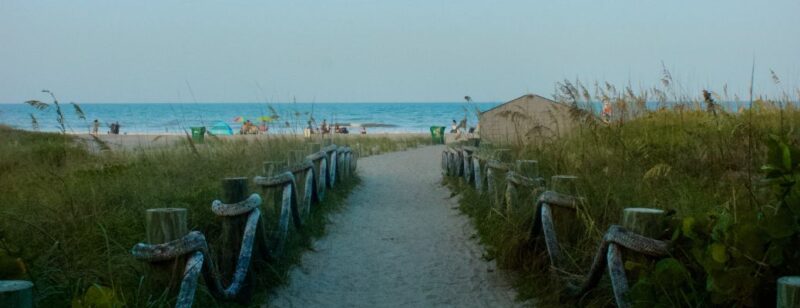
(644, 221)
(564, 184)
(234, 190)
(503, 155)
(788, 292)
(512, 198)
(528, 168)
(16, 293)
(163, 225)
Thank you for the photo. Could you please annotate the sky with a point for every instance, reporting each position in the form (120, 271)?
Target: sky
(387, 51)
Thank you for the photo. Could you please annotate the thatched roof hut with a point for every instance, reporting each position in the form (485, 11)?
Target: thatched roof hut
(524, 120)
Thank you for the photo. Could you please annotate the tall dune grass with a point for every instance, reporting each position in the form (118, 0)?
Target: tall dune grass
(704, 167)
(69, 216)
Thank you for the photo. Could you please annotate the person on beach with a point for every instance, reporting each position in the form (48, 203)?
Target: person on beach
(95, 127)
(607, 112)
(363, 130)
(336, 129)
(308, 130)
(324, 127)
(711, 106)
(454, 127)
(263, 128)
(114, 128)
(245, 128)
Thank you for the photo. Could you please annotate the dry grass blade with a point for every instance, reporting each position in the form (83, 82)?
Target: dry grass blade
(666, 79)
(274, 113)
(78, 111)
(775, 78)
(39, 105)
(34, 122)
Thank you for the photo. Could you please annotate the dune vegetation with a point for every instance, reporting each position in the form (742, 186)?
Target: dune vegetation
(727, 176)
(70, 211)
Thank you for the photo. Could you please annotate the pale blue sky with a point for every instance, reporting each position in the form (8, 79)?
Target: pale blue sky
(385, 51)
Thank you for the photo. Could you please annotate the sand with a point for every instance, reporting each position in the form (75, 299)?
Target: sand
(399, 242)
(149, 140)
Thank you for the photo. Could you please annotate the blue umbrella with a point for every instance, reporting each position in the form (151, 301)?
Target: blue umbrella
(221, 128)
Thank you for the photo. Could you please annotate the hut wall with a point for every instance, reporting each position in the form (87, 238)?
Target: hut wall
(524, 120)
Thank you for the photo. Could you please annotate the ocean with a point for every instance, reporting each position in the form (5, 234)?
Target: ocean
(174, 118)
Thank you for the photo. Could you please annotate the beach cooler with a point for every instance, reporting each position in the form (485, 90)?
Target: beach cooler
(198, 134)
(437, 134)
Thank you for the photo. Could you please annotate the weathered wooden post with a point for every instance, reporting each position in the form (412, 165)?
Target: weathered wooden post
(788, 292)
(466, 153)
(496, 173)
(644, 221)
(503, 155)
(234, 190)
(512, 195)
(521, 184)
(164, 225)
(478, 165)
(458, 162)
(567, 226)
(16, 293)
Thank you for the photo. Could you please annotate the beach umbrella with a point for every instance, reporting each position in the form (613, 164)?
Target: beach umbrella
(221, 128)
(239, 119)
(265, 119)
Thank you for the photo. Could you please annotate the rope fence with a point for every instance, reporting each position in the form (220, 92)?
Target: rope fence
(289, 193)
(512, 185)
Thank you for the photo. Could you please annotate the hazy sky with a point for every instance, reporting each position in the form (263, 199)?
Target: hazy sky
(385, 51)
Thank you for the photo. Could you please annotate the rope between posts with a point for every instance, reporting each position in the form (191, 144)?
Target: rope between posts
(321, 171)
(478, 170)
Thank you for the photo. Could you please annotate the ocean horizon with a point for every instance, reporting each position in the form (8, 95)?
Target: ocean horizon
(173, 118)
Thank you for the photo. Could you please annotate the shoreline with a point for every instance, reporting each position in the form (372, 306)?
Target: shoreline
(316, 136)
(146, 140)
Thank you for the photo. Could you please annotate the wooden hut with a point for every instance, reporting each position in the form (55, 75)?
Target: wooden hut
(525, 119)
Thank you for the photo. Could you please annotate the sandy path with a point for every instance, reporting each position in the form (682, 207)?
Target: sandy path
(399, 242)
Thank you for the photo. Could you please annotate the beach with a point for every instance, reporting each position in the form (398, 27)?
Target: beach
(150, 140)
